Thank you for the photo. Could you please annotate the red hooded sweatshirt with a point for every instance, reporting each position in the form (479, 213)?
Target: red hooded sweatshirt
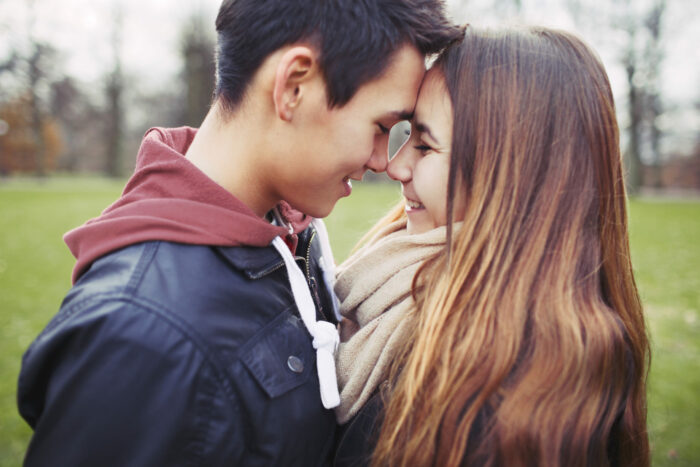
(167, 198)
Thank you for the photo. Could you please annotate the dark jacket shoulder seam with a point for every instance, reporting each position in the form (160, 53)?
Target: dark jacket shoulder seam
(145, 259)
(151, 307)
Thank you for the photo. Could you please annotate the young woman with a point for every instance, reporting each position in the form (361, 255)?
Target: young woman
(521, 338)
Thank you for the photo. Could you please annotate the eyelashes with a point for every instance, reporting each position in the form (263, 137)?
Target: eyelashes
(420, 147)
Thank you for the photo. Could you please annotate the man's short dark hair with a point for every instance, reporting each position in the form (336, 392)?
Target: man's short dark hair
(355, 39)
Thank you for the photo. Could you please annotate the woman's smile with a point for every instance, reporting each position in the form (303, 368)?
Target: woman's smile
(413, 205)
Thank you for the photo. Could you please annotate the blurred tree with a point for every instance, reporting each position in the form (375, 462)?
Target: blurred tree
(114, 91)
(18, 146)
(16, 141)
(634, 112)
(197, 50)
(8, 68)
(76, 116)
(653, 57)
(29, 69)
(37, 74)
(640, 25)
(114, 122)
(9, 64)
(642, 60)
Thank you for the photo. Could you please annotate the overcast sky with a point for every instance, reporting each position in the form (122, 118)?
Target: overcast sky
(81, 30)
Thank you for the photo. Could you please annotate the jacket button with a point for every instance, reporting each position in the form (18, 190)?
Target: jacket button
(295, 364)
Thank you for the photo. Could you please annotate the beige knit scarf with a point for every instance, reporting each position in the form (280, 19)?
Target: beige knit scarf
(374, 289)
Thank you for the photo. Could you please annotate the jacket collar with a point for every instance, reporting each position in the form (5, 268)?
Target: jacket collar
(256, 262)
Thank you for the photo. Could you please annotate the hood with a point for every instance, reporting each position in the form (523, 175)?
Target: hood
(168, 198)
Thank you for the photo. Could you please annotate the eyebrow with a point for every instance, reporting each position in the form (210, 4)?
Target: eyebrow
(423, 128)
(402, 114)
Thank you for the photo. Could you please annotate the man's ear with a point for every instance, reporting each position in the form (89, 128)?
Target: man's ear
(295, 69)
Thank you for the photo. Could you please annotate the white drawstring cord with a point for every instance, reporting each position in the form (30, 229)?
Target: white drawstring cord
(327, 263)
(325, 336)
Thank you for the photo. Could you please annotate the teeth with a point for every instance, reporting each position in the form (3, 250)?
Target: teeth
(413, 204)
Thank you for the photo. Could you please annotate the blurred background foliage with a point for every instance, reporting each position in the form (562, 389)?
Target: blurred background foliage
(56, 116)
(54, 121)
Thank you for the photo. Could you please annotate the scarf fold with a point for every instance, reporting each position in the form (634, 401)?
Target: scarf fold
(374, 289)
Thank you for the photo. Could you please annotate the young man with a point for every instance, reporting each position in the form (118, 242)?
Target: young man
(198, 331)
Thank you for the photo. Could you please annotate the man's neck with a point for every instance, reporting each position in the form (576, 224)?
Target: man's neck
(225, 150)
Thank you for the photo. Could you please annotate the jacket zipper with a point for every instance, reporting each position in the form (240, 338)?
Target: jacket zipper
(313, 283)
(308, 256)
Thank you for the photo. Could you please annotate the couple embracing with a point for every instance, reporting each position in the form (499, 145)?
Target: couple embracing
(489, 319)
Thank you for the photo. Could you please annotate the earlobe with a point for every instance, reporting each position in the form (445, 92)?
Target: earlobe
(294, 70)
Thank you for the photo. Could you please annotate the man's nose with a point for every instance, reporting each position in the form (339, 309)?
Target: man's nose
(378, 161)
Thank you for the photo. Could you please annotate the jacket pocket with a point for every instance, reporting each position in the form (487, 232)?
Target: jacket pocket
(280, 356)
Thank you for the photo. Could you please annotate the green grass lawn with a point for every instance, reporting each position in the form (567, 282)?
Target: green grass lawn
(35, 270)
(665, 239)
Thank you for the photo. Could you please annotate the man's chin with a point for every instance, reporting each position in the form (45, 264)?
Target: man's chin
(318, 211)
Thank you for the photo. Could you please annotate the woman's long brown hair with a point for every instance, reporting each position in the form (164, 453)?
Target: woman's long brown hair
(530, 347)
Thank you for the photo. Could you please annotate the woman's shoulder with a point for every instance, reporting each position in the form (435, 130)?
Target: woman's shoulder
(358, 438)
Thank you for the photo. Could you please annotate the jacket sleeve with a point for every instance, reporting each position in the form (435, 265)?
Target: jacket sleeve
(116, 384)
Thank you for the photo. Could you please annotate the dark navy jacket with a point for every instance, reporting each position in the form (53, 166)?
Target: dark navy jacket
(167, 354)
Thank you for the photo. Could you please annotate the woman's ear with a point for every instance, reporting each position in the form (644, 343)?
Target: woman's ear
(294, 71)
